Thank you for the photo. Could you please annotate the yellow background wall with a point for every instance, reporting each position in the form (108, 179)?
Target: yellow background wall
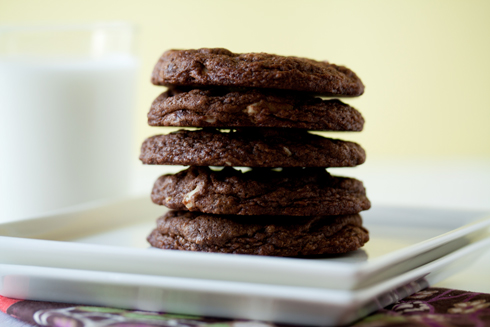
(425, 64)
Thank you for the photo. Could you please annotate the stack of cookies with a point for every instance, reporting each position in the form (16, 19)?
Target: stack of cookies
(254, 110)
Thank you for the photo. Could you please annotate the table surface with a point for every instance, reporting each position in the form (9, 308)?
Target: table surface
(7, 321)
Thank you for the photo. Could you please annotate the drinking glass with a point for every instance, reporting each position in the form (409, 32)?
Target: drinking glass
(67, 97)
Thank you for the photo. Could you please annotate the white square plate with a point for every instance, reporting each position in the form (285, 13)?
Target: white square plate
(111, 237)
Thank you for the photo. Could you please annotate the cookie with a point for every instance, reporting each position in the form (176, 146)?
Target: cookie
(252, 108)
(262, 235)
(290, 192)
(221, 67)
(252, 147)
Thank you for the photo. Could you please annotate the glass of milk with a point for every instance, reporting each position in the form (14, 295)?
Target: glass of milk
(67, 96)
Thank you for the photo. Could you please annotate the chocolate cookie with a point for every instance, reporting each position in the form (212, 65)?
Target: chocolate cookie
(252, 108)
(290, 192)
(262, 235)
(220, 67)
(252, 147)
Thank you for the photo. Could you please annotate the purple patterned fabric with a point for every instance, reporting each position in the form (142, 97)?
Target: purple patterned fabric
(432, 307)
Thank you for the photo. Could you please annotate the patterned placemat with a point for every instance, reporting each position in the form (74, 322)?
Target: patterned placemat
(432, 307)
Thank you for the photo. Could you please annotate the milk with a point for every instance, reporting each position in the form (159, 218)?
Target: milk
(65, 131)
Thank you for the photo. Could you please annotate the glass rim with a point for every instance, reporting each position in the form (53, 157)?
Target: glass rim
(63, 27)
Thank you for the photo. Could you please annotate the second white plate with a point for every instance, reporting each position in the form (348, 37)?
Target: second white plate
(236, 300)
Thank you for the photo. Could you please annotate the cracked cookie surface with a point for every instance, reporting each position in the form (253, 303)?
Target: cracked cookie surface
(250, 147)
(251, 108)
(290, 191)
(259, 235)
(221, 67)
